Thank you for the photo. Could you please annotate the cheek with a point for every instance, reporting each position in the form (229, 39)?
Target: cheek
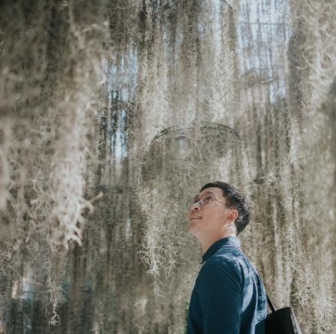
(215, 214)
(217, 218)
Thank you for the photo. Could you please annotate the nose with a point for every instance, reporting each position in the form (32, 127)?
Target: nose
(195, 207)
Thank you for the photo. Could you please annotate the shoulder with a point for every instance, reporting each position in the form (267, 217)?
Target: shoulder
(221, 268)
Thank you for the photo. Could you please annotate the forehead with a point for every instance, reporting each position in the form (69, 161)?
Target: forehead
(217, 192)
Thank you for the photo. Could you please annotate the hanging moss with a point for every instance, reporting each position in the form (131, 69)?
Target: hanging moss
(114, 113)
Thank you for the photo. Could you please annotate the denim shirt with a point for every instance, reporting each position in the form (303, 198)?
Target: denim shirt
(229, 297)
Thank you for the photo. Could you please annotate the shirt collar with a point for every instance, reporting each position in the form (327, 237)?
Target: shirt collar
(234, 241)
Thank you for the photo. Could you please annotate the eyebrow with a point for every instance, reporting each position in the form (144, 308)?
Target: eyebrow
(207, 192)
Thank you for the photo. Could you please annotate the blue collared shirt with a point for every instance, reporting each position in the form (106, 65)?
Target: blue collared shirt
(229, 297)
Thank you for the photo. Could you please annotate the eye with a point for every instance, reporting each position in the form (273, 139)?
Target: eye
(205, 200)
(210, 199)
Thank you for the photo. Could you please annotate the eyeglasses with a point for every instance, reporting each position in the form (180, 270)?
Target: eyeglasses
(202, 202)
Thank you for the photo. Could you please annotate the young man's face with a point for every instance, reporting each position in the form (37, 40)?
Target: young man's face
(213, 217)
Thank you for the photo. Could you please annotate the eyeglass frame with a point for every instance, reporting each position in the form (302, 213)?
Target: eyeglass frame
(193, 201)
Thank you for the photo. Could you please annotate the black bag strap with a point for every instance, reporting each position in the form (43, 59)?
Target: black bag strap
(270, 304)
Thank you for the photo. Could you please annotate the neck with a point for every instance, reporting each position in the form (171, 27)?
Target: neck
(206, 243)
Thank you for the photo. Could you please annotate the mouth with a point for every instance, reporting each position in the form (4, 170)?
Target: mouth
(195, 217)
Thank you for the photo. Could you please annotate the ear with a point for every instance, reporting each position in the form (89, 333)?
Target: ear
(232, 215)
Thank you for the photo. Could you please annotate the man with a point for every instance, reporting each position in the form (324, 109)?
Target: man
(229, 296)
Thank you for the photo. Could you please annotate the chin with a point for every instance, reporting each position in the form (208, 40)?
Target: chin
(193, 229)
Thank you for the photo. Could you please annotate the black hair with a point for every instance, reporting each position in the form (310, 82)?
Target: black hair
(235, 200)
